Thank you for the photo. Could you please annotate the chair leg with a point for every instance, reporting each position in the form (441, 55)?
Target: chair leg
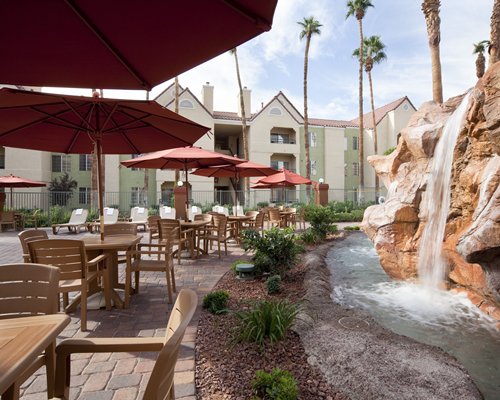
(83, 307)
(50, 356)
(169, 287)
(218, 246)
(128, 284)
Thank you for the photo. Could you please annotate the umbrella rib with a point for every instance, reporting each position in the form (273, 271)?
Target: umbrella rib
(100, 36)
(256, 19)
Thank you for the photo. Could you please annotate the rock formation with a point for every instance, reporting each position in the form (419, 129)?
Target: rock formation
(472, 238)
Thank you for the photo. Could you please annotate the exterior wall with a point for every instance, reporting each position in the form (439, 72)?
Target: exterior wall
(31, 164)
(350, 156)
(334, 162)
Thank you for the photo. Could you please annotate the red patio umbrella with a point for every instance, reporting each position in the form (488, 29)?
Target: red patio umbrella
(181, 158)
(120, 44)
(244, 170)
(11, 181)
(75, 124)
(284, 178)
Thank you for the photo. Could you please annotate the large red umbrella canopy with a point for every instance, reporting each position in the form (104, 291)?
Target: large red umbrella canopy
(76, 124)
(181, 158)
(120, 44)
(243, 170)
(285, 177)
(11, 181)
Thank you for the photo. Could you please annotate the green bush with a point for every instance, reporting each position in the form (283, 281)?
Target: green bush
(389, 151)
(276, 250)
(321, 219)
(310, 236)
(277, 385)
(262, 204)
(273, 284)
(265, 320)
(351, 228)
(216, 302)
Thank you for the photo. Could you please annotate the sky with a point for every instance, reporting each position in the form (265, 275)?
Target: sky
(274, 61)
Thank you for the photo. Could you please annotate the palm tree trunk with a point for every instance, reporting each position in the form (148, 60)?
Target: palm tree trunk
(430, 9)
(375, 137)
(361, 150)
(437, 83)
(495, 33)
(244, 131)
(306, 117)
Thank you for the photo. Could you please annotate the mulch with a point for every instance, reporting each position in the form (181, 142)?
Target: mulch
(225, 370)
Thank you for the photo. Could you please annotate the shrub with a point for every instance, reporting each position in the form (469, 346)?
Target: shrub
(273, 284)
(265, 320)
(277, 385)
(320, 218)
(262, 204)
(389, 151)
(351, 228)
(309, 236)
(275, 251)
(216, 302)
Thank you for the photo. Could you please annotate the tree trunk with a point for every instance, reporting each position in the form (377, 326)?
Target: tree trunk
(431, 13)
(480, 65)
(375, 137)
(495, 33)
(361, 150)
(306, 117)
(244, 131)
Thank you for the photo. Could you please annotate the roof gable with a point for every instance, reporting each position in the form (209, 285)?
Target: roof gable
(381, 112)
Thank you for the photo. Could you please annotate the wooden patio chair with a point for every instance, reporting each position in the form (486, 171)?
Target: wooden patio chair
(153, 228)
(121, 228)
(28, 236)
(257, 225)
(7, 219)
(30, 289)
(183, 239)
(76, 272)
(274, 217)
(163, 263)
(219, 234)
(161, 382)
(77, 220)
(299, 219)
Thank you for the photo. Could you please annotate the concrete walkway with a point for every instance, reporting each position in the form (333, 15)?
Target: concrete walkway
(125, 375)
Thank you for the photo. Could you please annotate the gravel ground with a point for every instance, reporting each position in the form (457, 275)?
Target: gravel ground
(225, 371)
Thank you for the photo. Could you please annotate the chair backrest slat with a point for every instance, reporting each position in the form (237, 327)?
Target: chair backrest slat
(28, 289)
(68, 255)
(29, 235)
(120, 228)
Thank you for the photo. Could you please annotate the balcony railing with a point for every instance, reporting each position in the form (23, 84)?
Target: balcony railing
(282, 140)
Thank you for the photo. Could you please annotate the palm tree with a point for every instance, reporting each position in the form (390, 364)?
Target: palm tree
(243, 117)
(310, 27)
(430, 9)
(373, 50)
(479, 49)
(495, 33)
(357, 9)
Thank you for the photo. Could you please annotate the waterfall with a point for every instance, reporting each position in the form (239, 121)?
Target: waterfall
(436, 202)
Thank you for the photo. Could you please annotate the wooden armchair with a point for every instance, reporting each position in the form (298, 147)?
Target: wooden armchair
(121, 228)
(183, 239)
(162, 263)
(17, 299)
(161, 382)
(7, 219)
(274, 217)
(153, 227)
(219, 234)
(28, 236)
(76, 272)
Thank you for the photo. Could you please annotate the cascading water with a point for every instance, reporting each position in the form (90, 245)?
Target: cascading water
(436, 202)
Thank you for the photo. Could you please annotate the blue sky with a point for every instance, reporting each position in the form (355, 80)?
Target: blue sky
(274, 60)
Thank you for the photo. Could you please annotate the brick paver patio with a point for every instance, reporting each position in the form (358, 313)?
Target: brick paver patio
(125, 375)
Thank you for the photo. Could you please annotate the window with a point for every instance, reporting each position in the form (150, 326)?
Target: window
(312, 139)
(355, 143)
(137, 196)
(355, 169)
(85, 162)
(61, 163)
(186, 104)
(280, 164)
(84, 195)
(275, 111)
(282, 138)
(314, 170)
(2, 157)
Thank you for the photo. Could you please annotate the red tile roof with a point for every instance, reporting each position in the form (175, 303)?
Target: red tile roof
(331, 123)
(380, 113)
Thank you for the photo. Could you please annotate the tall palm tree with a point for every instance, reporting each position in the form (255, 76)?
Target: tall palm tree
(244, 132)
(479, 49)
(310, 27)
(430, 9)
(495, 33)
(357, 9)
(373, 49)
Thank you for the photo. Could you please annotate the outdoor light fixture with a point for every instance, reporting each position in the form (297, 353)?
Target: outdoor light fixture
(321, 180)
(180, 183)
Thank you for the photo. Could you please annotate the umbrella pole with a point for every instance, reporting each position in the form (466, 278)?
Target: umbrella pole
(11, 203)
(99, 187)
(186, 218)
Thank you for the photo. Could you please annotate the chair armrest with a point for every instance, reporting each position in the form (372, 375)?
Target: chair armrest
(97, 260)
(105, 345)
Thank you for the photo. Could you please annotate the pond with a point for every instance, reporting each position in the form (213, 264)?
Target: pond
(444, 319)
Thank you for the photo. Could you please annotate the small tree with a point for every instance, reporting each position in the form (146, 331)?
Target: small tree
(62, 189)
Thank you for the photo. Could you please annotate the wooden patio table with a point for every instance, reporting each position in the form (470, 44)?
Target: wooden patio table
(193, 228)
(111, 245)
(22, 340)
(284, 217)
(238, 220)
